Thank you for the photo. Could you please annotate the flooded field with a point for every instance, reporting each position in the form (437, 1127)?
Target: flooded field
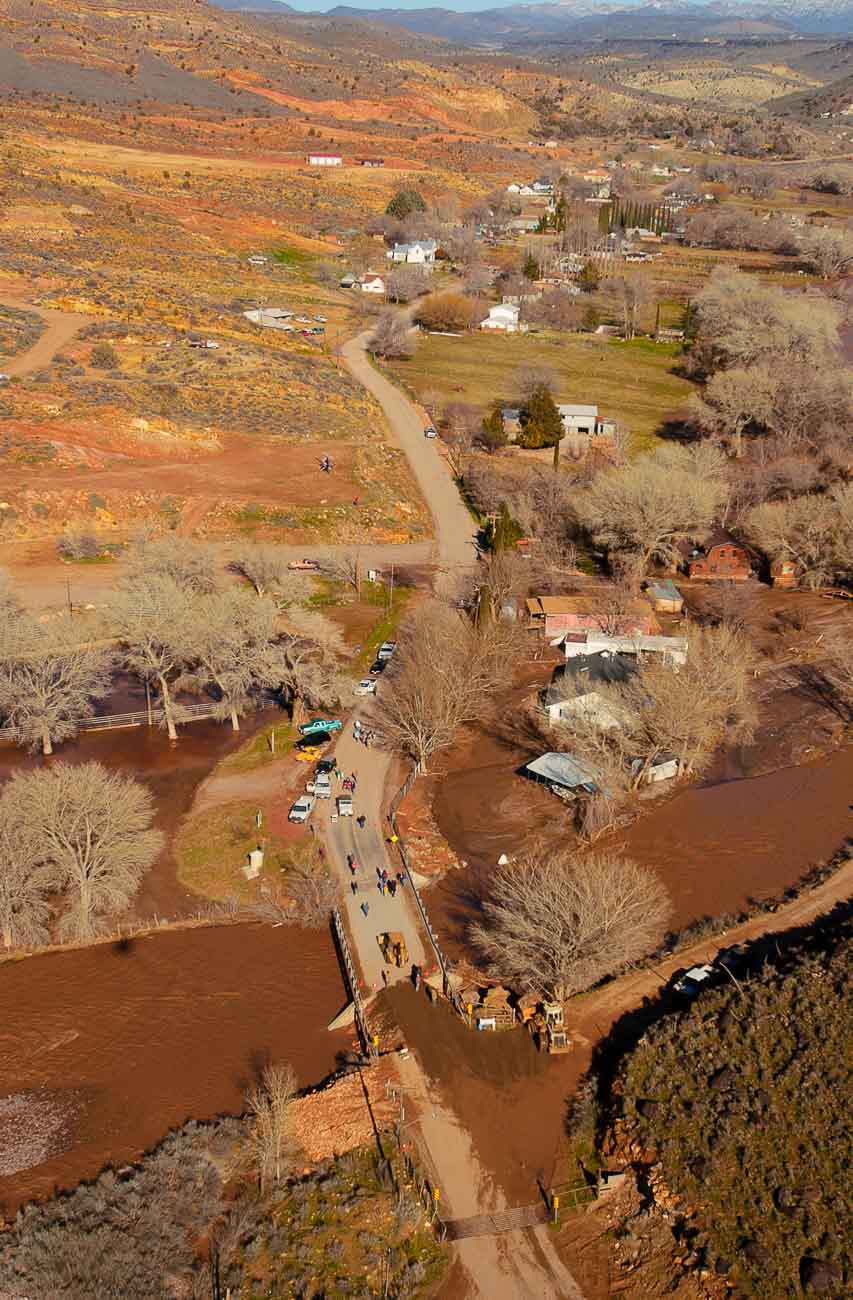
(105, 1049)
(171, 770)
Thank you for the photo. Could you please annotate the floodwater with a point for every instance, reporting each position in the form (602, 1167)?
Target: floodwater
(714, 846)
(172, 771)
(114, 1045)
(510, 1097)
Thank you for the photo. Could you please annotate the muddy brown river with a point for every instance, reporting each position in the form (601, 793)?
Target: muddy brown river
(113, 1045)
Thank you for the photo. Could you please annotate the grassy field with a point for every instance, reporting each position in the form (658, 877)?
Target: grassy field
(631, 382)
(262, 748)
(212, 849)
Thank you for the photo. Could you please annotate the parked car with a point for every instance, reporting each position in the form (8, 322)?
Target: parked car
(320, 724)
(344, 805)
(320, 785)
(430, 431)
(325, 765)
(301, 810)
(367, 686)
(310, 566)
(378, 666)
(386, 650)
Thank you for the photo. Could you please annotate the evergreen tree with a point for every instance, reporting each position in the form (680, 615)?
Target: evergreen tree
(589, 278)
(542, 426)
(404, 203)
(502, 533)
(493, 434)
(531, 267)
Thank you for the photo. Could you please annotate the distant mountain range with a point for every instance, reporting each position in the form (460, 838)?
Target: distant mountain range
(587, 20)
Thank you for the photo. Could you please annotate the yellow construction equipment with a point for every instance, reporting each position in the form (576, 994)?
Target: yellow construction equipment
(393, 947)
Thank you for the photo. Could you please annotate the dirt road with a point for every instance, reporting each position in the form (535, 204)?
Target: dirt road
(454, 528)
(61, 329)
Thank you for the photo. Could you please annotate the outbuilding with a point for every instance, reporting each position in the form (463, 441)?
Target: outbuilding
(665, 596)
(563, 773)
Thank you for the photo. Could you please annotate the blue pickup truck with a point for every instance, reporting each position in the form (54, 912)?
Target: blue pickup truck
(316, 725)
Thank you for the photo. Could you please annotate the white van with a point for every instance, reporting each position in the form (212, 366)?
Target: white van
(320, 785)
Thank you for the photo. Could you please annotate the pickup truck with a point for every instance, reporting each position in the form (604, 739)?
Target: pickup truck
(308, 566)
(386, 650)
(302, 809)
(345, 805)
(317, 725)
(320, 785)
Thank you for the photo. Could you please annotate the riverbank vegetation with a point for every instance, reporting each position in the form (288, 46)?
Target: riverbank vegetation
(735, 1111)
(220, 1208)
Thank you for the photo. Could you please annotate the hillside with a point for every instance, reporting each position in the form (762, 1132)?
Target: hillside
(739, 1109)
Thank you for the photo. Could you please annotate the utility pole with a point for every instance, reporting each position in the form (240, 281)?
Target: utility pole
(391, 590)
(68, 595)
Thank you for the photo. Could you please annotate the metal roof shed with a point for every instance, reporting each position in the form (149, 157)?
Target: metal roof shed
(563, 770)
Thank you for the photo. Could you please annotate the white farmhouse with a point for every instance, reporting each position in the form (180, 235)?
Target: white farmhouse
(371, 283)
(420, 252)
(325, 160)
(504, 317)
(584, 421)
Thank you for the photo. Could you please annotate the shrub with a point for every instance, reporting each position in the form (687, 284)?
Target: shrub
(446, 311)
(104, 357)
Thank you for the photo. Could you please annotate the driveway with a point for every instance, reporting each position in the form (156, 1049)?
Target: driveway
(62, 326)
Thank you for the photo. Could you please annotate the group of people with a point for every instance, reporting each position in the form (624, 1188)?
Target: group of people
(361, 734)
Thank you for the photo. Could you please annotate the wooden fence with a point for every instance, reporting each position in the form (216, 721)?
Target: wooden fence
(140, 718)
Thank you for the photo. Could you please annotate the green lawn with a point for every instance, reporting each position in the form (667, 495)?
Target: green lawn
(631, 382)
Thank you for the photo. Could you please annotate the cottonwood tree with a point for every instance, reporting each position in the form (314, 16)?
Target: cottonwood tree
(530, 377)
(814, 531)
(741, 322)
(829, 252)
(686, 712)
(266, 567)
(650, 506)
(405, 283)
(91, 831)
(156, 625)
(24, 909)
(235, 652)
(391, 336)
(443, 673)
(311, 663)
(47, 683)
(191, 565)
(561, 922)
(272, 1143)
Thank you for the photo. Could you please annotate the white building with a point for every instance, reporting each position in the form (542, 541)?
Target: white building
(324, 160)
(584, 421)
(672, 649)
(372, 284)
(420, 252)
(504, 317)
(591, 705)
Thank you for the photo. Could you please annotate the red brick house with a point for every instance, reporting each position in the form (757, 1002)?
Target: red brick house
(722, 560)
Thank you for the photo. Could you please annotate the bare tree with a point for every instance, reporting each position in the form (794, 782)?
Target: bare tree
(533, 375)
(91, 830)
(311, 663)
(190, 565)
(741, 322)
(813, 531)
(443, 673)
(732, 401)
(346, 566)
(829, 252)
(405, 283)
(634, 292)
(266, 568)
(154, 620)
(234, 651)
(24, 910)
(392, 336)
(562, 923)
(649, 506)
(47, 683)
(273, 1145)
